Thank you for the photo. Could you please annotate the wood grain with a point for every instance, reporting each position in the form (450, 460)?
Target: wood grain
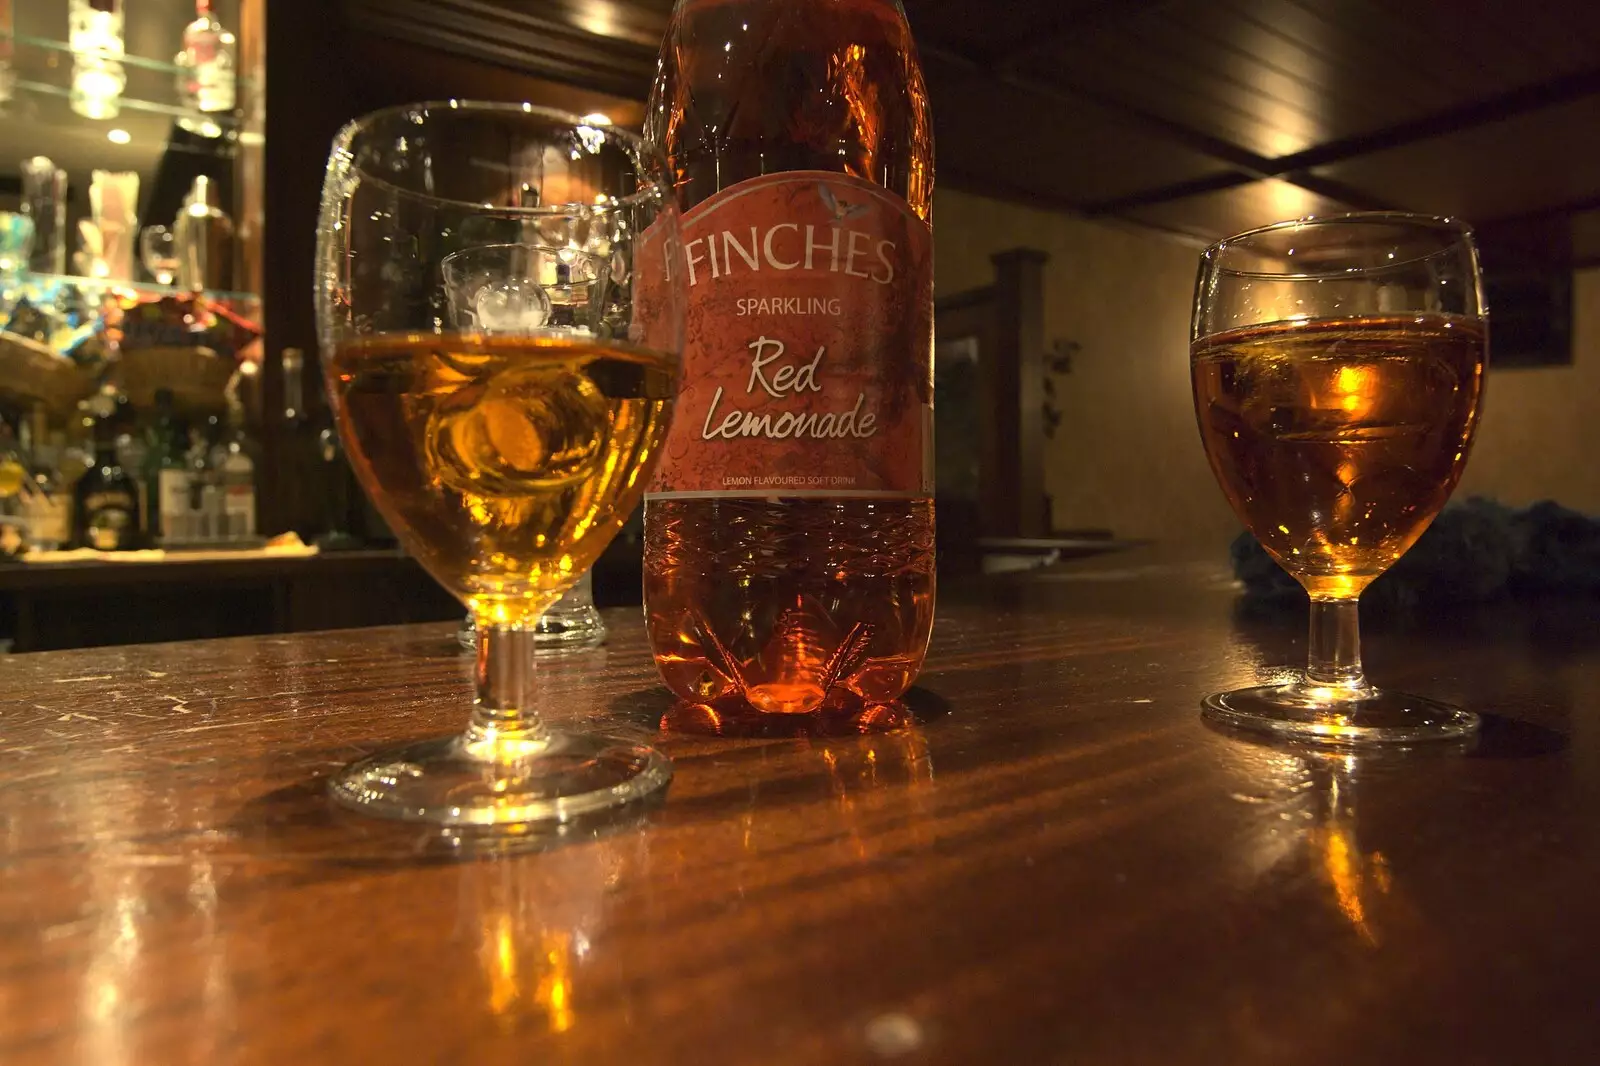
(1058, 863)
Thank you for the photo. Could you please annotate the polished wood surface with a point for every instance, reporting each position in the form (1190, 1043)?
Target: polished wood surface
(1057, 863)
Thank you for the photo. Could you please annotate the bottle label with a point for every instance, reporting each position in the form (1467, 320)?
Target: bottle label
(47, 520)
(808, 341)
(239, 504)
(110, 527)
(173, 506)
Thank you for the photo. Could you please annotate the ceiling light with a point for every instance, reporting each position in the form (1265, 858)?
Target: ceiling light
(118, 136)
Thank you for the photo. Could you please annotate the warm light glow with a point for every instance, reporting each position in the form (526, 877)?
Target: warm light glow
(118, 136)
(1356, 388)
(97, 89)
(1288, 200)
(599, 18)
(1355, 878)
(597, 119)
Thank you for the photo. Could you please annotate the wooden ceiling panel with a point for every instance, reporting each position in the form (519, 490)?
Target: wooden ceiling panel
(1278, 77)
(990, 30)
(1025, 145)
(1201, 117)
(1525, 164)
(1212, 216)
(1153, 68)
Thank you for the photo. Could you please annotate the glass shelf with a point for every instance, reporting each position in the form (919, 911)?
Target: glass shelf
(44, 68)
(95, 286)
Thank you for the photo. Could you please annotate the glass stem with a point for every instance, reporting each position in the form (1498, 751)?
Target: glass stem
(504, 708)
(1334, 656)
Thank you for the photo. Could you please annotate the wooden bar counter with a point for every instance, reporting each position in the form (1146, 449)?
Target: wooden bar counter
(1058, 863)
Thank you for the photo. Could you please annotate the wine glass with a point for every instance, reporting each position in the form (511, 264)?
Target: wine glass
(1338, 370)
(571, 624)
(505, 447)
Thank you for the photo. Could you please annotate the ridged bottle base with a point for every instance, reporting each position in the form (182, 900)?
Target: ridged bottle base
(760, 608)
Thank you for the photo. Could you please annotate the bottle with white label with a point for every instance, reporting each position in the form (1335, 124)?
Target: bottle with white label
(789, 531)
(46, 506)
(167, 477)
(236, 471)
(206, 71)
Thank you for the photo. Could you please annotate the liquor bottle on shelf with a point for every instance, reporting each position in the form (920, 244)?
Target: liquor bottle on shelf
(789, 562)
(106, 498)
(13, 472)
(316, 470)
(47, 506)
(299, 456)
(233, 460)
(94, 35)
(8, 73)
(205, 488)
(13, 495)
(206, 69)
(166, 476)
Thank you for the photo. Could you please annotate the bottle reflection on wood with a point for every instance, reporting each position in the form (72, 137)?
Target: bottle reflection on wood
(868, 796)
(1315, 833)
(534, 924)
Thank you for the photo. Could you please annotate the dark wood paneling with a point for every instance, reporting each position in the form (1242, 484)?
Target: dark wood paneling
(64, 606)
(310, 95)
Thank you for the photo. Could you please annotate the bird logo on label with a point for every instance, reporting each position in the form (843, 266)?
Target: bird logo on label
(840, 209)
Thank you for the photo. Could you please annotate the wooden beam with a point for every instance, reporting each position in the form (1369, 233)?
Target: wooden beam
(1296, 168)
(1451, 120)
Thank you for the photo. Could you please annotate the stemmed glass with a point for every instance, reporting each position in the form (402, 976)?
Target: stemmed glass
(505, 428)
(1338, 369)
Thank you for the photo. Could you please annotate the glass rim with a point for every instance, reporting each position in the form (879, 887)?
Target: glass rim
(1418, 220)
(558, 250)
(650, 188)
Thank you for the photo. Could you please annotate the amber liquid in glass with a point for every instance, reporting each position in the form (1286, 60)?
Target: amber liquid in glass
(772, 605)
(504, 464)
(1337, 441)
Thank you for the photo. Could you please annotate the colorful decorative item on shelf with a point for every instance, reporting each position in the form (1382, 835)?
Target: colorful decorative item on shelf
(16, 244)
(185, 321)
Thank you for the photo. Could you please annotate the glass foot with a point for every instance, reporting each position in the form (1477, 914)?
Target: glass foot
(1309, 713)
(467, 780)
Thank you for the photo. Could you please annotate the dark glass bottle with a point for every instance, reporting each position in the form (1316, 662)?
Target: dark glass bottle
(166, 475)
(106, 499)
